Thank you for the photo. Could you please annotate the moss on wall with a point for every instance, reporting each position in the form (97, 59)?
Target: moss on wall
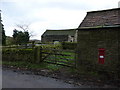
(89, 41)
(17, 55)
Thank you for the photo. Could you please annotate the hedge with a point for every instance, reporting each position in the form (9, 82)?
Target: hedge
(17, 55)
(69, 45)
(28, 55)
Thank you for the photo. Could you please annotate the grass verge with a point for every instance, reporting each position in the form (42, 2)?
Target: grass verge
(23, 64)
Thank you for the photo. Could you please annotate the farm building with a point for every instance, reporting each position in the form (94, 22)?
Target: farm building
(69, 35)
(100, 30)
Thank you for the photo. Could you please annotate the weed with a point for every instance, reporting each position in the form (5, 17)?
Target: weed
(32, 66)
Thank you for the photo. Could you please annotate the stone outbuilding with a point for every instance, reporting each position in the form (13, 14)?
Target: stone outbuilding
(100, 29)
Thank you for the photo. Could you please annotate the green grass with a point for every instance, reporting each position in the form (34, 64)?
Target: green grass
(58, 58)
(51, 67)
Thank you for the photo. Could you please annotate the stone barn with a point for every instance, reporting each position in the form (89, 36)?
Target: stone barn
(68, 35)
(100, 30)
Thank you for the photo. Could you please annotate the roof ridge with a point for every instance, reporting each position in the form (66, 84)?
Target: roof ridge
(60, 29)
(109, 17)
(104, 10)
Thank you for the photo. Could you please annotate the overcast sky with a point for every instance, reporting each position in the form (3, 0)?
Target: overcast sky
(48, 14)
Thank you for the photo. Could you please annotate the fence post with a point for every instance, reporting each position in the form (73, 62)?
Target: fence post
(35, 54)
(40, 54)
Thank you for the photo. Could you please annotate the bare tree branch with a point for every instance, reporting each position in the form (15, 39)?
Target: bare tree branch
(31, 33)
(25, 28)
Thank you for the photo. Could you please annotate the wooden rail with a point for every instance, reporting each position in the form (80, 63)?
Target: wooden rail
(59, 57)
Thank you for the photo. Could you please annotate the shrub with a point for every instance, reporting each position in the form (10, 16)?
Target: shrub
(69, 45)
(50, 46)
(17, 55)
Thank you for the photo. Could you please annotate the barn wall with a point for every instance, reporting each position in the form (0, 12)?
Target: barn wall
(89, 41)
(51, 38)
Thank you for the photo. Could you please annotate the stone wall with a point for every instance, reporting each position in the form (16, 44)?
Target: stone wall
(90, 40)
(52, 38)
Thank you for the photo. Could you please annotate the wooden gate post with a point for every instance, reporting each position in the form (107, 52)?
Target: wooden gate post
(40, 53)
(37, 55)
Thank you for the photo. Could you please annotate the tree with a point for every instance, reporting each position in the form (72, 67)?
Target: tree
(2, 31)
(20, 37)
(25, 28)
(3, 36)
(27, 32)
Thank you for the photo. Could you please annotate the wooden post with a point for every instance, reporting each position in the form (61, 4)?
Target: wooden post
(33, 44)
(40, 54)
(34, 54)
(75, 57)
(37, 55)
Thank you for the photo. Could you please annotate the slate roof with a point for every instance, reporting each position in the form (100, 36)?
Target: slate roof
(110, 17)
(60, 32)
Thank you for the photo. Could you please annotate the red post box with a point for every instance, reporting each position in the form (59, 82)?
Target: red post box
(101, 54)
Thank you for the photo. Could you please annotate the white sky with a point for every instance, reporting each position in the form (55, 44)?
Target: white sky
(49, 14)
